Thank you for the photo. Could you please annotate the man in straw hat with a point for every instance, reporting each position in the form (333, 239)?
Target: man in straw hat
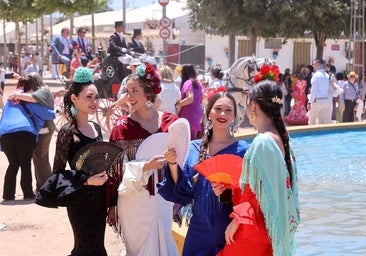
(135, 44)
(350, 96)
(117, 44)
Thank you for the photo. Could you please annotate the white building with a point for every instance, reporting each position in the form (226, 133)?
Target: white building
(187, 46)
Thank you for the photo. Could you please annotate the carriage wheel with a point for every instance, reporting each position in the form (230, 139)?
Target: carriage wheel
(102, 113)
(110, 71)
(60, 119)
(113, 114)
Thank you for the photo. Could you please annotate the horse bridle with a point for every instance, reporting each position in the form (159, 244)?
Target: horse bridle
(250, 66)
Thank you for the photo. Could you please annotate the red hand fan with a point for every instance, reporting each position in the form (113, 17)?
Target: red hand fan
(224, 169)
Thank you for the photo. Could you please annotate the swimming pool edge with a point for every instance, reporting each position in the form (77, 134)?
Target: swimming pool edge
(249, 133)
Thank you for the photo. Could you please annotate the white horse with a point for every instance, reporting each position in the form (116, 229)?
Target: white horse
(240, 77)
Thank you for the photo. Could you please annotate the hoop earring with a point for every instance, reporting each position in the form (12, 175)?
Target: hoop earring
(73, 111)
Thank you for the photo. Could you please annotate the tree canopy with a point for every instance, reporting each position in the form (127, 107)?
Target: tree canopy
(271, 18)
(28, 10)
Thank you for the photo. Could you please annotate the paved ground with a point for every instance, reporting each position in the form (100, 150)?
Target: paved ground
(35, 230)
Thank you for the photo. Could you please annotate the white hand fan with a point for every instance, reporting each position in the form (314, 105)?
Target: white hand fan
(179, 138)
(155, 144)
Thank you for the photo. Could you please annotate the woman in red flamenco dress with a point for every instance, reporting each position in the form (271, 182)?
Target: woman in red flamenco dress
(266, 210)
(298, 113)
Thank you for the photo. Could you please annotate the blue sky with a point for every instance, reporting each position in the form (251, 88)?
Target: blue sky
(117, 4)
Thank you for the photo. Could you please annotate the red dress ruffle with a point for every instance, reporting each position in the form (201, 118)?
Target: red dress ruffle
(251, 238)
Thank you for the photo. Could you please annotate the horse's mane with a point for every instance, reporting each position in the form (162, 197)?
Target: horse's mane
(243, 71)
(240, 77)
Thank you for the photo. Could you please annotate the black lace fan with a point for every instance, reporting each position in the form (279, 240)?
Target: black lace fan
(96, 157)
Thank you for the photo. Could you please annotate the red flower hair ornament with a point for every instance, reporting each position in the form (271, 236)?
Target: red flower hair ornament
(211, 93)
(148, 73)
(268, 72)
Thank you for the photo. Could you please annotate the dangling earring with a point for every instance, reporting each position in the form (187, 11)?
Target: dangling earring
(148, 103)
(208, 130)
(252, 115)
(232, 127)
(73, 111)
(209, 125)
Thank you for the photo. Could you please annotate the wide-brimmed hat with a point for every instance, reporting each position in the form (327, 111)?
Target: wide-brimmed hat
(134, 62)
(137, 32)
(352, 74)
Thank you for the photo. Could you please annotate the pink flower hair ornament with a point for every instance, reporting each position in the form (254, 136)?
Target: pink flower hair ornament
(148, 73)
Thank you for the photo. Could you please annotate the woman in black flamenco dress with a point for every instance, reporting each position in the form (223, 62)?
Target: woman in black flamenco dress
(86, 208)
(83, 195)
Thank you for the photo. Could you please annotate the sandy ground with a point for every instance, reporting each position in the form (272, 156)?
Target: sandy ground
(35, 230)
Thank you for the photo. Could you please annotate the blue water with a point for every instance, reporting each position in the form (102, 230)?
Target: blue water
(332, 184)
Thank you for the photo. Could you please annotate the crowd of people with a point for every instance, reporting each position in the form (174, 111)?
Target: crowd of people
(322, 95)
(258, 214)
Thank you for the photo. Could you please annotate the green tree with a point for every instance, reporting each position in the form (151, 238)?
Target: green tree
(20, 11)
(324, 19)
(271, 18)
(238, 17)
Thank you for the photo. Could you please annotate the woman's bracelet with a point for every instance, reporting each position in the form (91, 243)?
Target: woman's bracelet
(172, 163)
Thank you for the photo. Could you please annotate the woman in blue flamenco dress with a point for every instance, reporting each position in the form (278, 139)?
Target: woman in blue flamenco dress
(209, 218)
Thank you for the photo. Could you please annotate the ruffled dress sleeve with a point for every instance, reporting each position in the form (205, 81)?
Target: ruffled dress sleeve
(180, 192)
(134, 178)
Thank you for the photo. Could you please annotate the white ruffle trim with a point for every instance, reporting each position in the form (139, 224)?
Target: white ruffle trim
(134, 178)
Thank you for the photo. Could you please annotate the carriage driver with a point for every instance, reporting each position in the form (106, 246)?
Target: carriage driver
(117, 44)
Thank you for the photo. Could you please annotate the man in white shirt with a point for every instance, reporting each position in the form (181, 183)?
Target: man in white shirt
(33, 67)
(320, 101)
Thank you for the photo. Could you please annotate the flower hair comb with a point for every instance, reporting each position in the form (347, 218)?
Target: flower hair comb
(268, 72)
(150, 74)
(211, 93)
